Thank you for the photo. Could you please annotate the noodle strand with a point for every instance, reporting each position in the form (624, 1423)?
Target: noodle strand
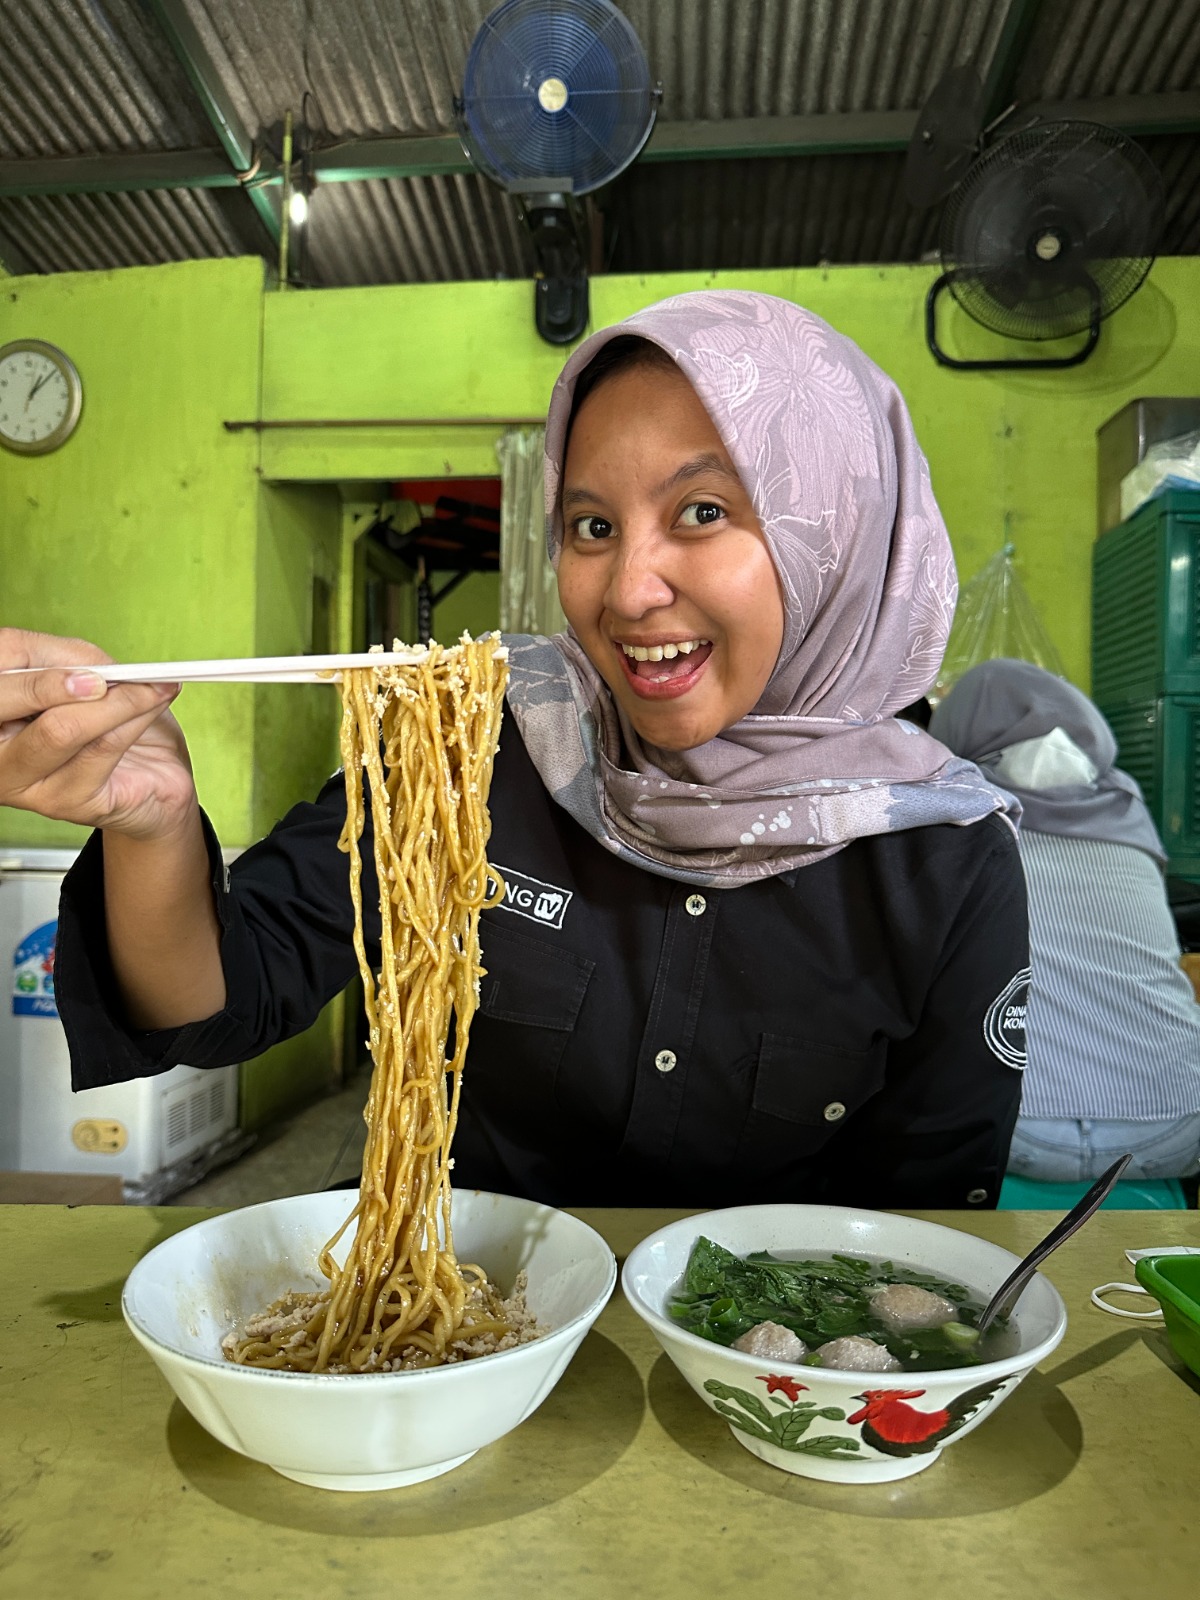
(421, 740)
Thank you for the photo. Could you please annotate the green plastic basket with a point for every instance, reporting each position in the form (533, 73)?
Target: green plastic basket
(1174, 1281)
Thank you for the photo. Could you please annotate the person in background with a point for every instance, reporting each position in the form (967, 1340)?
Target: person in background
(1113, 1028)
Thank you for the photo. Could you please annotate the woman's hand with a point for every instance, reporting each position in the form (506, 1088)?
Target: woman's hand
(78, 750)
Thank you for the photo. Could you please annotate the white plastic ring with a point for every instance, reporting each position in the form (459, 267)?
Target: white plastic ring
(1119, 1311)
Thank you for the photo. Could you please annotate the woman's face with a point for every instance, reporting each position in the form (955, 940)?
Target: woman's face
(664, 572)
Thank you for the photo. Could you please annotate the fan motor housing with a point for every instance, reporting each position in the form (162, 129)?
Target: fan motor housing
(558, 231)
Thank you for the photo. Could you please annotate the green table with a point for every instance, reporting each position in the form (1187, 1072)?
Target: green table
(1085, 1483)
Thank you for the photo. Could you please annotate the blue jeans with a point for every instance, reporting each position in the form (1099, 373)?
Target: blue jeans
(1072, 1150)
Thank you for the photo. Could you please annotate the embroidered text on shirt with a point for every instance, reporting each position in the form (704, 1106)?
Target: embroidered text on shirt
(1004, 1025)
(530, 897)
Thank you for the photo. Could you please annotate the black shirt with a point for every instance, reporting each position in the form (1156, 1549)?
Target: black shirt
(844, 1033)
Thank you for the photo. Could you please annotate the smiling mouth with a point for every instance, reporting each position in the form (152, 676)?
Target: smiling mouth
(664, 670)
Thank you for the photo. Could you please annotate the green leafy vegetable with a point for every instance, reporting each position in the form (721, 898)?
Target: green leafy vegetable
(723, 1296)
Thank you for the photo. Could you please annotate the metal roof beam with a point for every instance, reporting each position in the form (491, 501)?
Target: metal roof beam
(1009, 55)
(185, 41)
(356, 160)
(168, 169)
(834, 133)
(1144, 114)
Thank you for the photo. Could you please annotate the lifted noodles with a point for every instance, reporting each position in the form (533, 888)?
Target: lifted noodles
(425, 736)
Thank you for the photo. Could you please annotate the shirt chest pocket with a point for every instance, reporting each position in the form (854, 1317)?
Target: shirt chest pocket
(804, 1092)
(530, 998)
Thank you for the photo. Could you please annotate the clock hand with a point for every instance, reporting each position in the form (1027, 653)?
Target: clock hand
(45, 377)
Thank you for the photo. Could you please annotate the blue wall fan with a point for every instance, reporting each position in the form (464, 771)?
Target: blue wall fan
(557, 101)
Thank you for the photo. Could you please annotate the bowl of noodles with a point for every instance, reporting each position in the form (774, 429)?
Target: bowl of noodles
(368, 1427)
(839, 1344)
(374, 1342)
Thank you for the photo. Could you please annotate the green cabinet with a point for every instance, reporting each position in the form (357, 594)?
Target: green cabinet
(1146, 661)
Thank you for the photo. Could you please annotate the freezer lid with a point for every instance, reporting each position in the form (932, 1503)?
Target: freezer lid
(27, 858)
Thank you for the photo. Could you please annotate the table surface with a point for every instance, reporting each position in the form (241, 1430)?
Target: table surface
(1084, 1483)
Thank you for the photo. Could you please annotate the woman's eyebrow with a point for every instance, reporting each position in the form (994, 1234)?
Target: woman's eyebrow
(699, 465)
(577, 497)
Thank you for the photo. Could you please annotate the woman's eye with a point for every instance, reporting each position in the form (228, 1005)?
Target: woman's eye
(701, 514)
(589, 529)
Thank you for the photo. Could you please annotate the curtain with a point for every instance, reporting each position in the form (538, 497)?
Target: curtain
(528, 590)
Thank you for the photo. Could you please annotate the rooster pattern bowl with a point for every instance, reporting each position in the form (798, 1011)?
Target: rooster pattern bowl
(850, 1427)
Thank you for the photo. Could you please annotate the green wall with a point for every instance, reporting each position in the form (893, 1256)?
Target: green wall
(139, 533)
(151, 533)
(295, 739)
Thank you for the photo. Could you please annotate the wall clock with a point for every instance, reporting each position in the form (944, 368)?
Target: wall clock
(41, 397)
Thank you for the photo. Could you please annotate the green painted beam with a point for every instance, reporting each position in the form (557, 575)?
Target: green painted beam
(236, 142)
(832, 133)
(1141, 115)
(730, 139)
(359, 160)
(168, 169)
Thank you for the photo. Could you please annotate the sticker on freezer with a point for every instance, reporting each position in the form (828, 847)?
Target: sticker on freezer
(33, 974)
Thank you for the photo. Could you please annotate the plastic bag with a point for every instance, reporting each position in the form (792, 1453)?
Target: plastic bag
(1170, 464)
(995, 617)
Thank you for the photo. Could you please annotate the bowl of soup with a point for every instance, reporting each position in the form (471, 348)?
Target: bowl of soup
(839, 1344)
(361, 1430)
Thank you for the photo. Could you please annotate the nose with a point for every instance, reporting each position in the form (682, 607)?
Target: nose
(638, 581)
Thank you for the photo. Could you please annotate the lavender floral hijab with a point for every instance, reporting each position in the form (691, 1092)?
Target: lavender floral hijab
(824, 444)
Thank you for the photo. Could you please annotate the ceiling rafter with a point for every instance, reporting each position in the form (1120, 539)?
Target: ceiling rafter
(361, 159)
(181, 34)
(1009, 57)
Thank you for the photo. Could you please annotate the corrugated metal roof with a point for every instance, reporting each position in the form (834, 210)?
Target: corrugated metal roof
(413, 230)
(725, 58)
(82, 77)
(87, 232)
(1081, 49)
(394, 66)
(1178, 159)
(704, 215)
(374, 67)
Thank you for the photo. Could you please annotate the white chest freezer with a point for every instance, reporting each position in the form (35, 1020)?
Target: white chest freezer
(157, 1134)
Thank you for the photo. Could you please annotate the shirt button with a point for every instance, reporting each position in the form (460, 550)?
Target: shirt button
(665, 1061)
(977, 1197)
(834, 1111)
(696, 905)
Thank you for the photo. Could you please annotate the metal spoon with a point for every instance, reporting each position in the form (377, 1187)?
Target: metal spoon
(1010, 1291)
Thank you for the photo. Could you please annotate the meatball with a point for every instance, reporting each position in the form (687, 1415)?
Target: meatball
(903, 1305)
(772, 1342)
(857, 1354)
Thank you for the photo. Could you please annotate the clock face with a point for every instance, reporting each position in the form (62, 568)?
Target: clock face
(40, 396)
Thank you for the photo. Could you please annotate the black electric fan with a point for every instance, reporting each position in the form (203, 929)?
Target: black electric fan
(1047, 233)
(556, 102)
(946, 139)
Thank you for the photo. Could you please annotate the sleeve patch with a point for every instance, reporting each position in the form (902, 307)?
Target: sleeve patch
(1004, 1024)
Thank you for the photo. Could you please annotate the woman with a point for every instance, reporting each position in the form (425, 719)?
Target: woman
(754, 925)
(1113, 1028)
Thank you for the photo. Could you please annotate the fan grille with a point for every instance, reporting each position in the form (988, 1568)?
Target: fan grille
(556, 90)
(1054, 220)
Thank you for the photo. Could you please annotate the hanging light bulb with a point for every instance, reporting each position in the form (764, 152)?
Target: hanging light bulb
(298, 208)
